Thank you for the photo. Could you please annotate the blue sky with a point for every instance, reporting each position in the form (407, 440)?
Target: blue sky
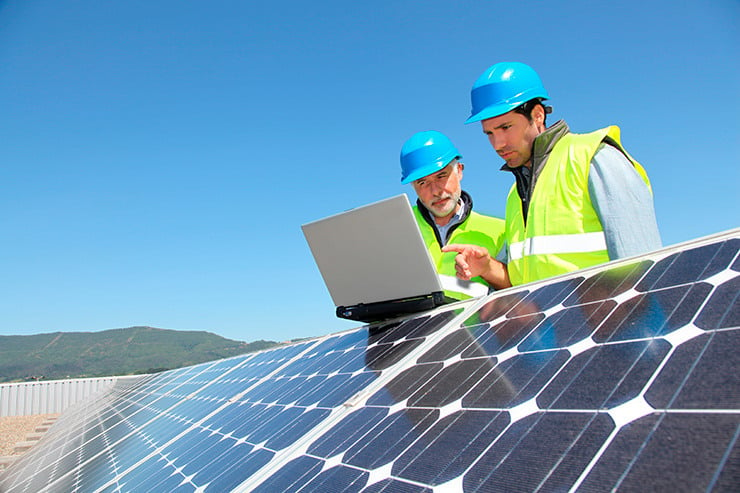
(157, 158)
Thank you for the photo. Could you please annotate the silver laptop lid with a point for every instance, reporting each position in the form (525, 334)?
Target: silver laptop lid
(372, 253)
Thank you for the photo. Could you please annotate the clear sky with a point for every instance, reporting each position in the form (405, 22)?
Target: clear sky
(158, 157)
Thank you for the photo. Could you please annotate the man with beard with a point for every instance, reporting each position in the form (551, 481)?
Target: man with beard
(578, 199)
(444, 212)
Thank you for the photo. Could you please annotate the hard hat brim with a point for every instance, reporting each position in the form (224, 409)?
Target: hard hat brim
(427, 170)
(492, 111)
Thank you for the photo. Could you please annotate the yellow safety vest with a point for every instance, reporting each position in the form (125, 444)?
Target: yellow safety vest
(476, 229)
(563, 232)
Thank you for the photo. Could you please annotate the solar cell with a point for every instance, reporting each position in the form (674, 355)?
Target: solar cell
(619, 377)
(553, 388)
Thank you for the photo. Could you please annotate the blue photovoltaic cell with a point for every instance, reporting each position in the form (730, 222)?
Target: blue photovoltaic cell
(575, 385)
(212, 426)
(622, 377)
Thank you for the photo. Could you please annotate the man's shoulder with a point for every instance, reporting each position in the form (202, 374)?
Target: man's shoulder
(483, 230)
(484, 218)
(609, 133)
(419, 216)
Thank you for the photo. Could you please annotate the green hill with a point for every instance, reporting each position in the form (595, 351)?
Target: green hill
(133, 350)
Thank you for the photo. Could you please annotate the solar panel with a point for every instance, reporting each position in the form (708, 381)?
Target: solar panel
(623, 376)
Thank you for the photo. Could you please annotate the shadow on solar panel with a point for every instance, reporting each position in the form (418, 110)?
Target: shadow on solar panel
(622, 377)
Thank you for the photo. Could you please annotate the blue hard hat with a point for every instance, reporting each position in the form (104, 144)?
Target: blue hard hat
(426, 153)
(502, 88)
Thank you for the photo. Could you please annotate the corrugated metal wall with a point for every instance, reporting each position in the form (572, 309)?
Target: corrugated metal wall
(48, 397)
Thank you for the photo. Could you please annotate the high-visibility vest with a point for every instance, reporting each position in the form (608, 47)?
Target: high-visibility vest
(476, 229)
(563, 232)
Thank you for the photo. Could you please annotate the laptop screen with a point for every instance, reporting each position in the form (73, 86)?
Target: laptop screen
(372, 253)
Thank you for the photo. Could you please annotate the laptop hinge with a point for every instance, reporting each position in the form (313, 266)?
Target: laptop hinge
(383, 310)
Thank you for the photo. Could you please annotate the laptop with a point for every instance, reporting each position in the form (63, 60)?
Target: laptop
(374, 261)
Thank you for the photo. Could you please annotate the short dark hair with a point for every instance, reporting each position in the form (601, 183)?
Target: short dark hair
(526, 109)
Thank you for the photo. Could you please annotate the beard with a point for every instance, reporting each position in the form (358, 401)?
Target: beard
(449, 206)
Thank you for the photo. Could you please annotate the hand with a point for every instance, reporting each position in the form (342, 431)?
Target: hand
(471, 260)
(475, 261)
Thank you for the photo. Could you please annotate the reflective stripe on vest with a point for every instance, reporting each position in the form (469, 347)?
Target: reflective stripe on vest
(469, 288)
(563, 233)
(558, 244)
(476, 229)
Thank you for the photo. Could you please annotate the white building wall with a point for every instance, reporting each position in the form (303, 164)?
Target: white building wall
(48, 397)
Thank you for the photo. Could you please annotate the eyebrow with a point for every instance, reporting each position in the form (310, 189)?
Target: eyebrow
(507, 122)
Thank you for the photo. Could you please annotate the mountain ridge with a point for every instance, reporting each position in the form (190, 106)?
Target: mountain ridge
(121, 351)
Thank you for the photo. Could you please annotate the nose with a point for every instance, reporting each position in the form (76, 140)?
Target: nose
(437, 187)
(496, 141)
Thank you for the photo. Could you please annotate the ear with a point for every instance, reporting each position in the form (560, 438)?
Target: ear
(459, 170)
(538, 116)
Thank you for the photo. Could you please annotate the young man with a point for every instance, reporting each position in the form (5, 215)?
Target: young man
(578, 199)
(431, 163)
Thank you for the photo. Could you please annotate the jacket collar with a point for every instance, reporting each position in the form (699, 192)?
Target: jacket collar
(541, 149)
(543, 145)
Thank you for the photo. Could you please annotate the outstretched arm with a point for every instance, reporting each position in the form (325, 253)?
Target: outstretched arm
(472, 261)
